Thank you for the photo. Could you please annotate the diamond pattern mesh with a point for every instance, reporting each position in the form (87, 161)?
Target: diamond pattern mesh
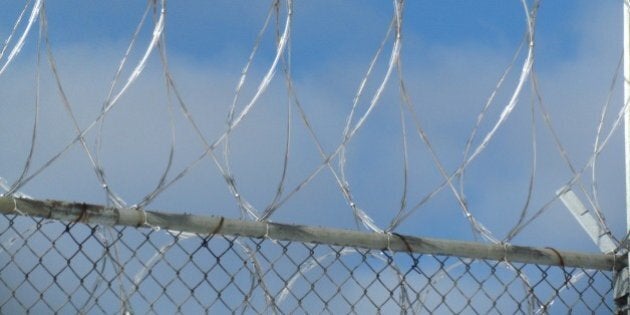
(48, 266)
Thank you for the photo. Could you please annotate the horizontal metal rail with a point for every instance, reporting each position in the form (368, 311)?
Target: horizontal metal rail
(208, 225)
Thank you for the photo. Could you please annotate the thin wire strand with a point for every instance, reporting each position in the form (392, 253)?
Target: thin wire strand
(210, 147)
(526, 68)
(31, 152)
(17, 48)
(136, 72)
(600, 125)
(486, 107)
(246, 208)
(286, 70)
(532, 174)
(169, 162)
(358, 213)
(578, 173)
(98, 142)
(17, 23)
(111, 195)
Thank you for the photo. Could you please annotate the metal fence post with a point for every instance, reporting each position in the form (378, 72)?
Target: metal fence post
(621, 282)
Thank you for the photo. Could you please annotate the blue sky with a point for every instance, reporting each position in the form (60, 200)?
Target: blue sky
(453, 54)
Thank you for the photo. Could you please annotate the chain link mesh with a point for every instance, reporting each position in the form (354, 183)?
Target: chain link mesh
(48, 266)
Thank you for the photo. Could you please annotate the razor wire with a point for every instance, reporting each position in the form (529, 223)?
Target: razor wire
(241, 107)
(51, 266)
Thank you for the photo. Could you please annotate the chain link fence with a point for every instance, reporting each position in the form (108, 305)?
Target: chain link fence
(48, 266)
(148, 107)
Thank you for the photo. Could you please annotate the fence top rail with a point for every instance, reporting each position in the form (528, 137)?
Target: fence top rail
(209, 225)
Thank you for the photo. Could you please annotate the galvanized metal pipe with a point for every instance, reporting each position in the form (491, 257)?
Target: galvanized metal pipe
(208, 225)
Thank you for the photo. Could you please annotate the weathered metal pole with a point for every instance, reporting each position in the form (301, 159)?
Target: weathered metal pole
(622, 284)
(209, 225)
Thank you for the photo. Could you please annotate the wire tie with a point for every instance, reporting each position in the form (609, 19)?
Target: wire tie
(389, 237)
(219, 226)
(505, 251)
(15, 207)
(83, 215)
